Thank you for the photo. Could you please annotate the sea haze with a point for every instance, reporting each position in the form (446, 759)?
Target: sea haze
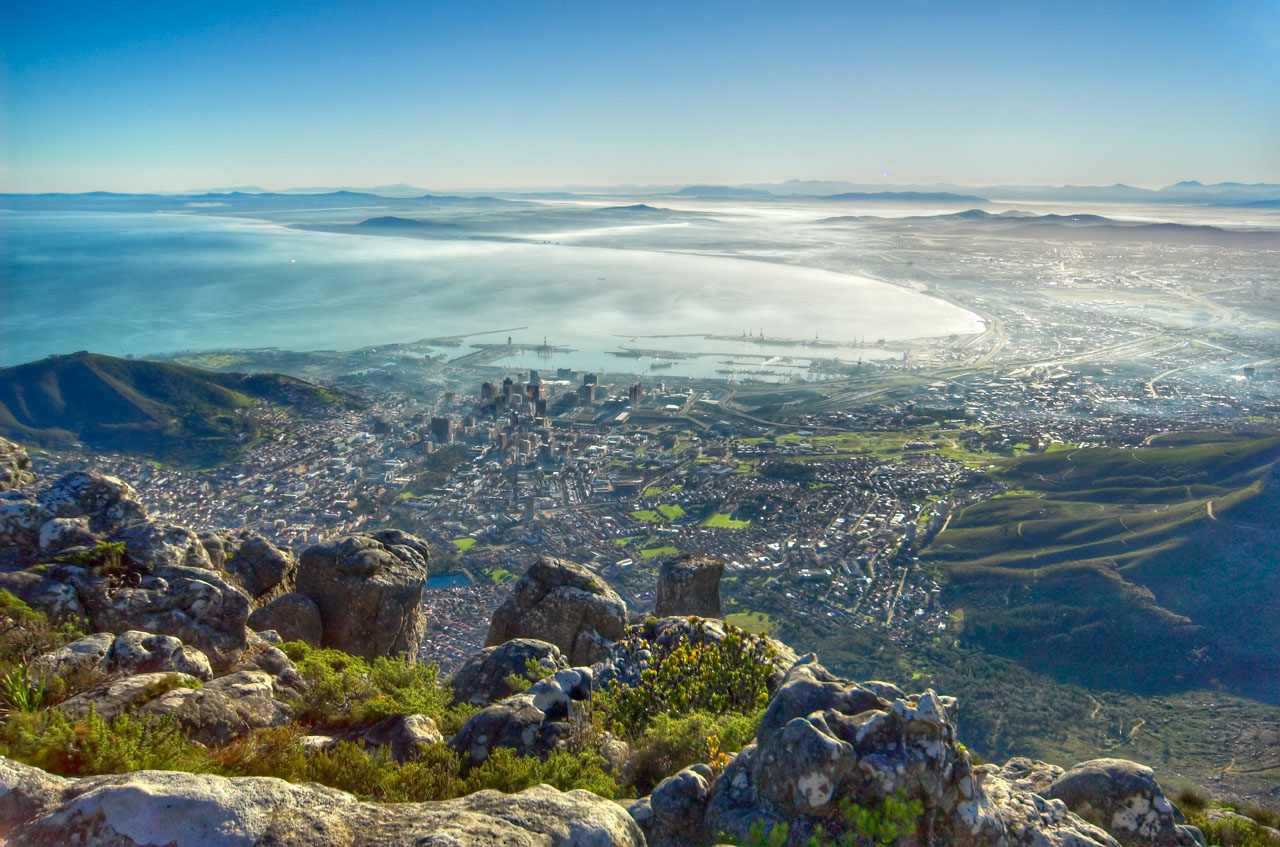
(124, 283)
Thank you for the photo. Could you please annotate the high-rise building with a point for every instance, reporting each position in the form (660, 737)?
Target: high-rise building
(442, 430)
(486, 391)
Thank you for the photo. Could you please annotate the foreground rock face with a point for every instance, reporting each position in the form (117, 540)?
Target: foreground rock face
(14, 466)
(824, 741)
(689, 585)
(368, 589)
(563, 603)
(190, 810)
(1124, 798)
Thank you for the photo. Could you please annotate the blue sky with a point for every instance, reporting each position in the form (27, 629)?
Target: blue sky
(135, 96)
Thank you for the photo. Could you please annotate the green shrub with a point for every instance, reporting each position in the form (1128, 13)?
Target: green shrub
(729, 677)
(880, 824)
(504, 770)
(670, 744)
(81, 747)
(26, 633)
(19, 693)
(1234, 832)
(345, 689)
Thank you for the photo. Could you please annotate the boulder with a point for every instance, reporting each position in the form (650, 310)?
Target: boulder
(129, 653)
(262, 569)
(201, 810)
(677, 809)
(64, 533)
(192, 604)
(532, 723)
(404, 736)
(292, 616)
(1124, 798)
(225, 708)
(483, 678)
(80, 657)
(689, 585)
(368, 589)
(111, 699)
(824, 740)
(15, 466)
(135, 652)
(106, 501)
(21, 519)
(515, 723)
(563, 603)
(152, 544)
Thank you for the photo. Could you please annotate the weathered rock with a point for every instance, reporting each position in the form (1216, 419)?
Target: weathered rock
(199, 810)
(689, 584)
(64, 533)
(404, 736)
(40, 591)
(135, 652)
(483, 678)
(74, 659)
(1124, 798)
(823, 740)
(261, 568)
(193, 604)
(368, 588)
(532, 723)
(111, 699)
(21, 518)
(15, 466)
(565, 604)
(514, 723)
(1025, 774)
(129, 653)
(677, 809)
(152, 544)
(293, 616)
(108, 502)
(225, 708)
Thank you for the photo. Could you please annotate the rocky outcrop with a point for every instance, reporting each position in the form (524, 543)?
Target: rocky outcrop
(192, 604)
(262, 569)
(565, 604)
(675, 813)
(689, 585)
(368, 589)
(131, 652)
(823, 741)
(483, 679)
(112, 699)
(152, 544)
(14, 466)
(109, 503)
(292, 616)
(532, 723)
(224, 709)
(1124, 798)
(199, 810)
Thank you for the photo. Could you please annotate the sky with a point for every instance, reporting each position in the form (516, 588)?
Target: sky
(179, 95)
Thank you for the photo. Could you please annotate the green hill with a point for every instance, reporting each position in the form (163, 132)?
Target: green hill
(1147, 569)
(173, 413)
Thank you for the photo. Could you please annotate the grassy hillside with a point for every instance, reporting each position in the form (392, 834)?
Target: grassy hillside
(164, 411)
(1149, 569)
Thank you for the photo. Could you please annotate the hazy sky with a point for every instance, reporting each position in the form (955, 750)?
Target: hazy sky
(180, 94)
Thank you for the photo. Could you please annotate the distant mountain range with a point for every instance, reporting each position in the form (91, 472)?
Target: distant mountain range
(1018, 224)
(174, 413)
(235, 201)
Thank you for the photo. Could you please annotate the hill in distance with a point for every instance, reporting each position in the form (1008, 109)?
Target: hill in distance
(173, 413)
(1146, 570)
